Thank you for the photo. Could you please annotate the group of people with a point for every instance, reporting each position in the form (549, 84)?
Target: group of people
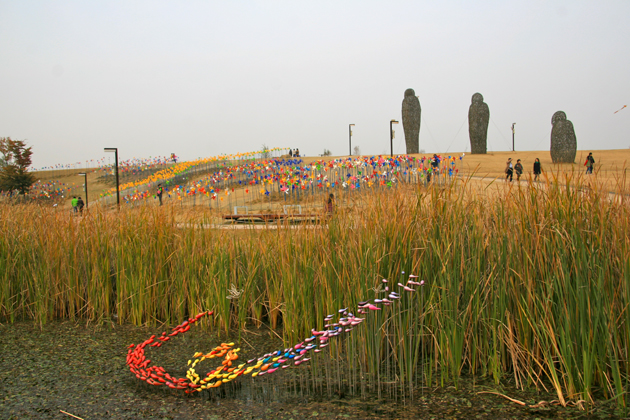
(294, 153)
(510, 169)
(77, 204)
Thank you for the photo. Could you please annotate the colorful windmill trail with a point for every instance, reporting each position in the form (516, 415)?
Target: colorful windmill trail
(336, 325)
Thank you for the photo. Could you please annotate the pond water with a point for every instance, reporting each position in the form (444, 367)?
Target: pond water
(80, 370)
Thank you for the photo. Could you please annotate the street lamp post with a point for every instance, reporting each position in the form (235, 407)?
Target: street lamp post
(86, 189)
(513, 124)
(350, 138)
(391, 137)
(115, 150)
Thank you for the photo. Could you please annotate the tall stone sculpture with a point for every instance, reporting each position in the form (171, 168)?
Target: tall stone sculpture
(411, 121)
(563, 141)
(478, 118)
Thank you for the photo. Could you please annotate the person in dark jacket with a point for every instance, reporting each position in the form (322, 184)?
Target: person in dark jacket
(537, 169)
(518, 168)
(159, 192)
(80, 204)
(590, 162)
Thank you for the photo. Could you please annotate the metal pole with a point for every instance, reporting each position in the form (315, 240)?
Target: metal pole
(117, 182)
(350, 139)
(513, 124)
(115, 150)
(86, 193)
(391, 139)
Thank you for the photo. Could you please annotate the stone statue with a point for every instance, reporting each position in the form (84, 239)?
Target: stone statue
(478, 118)
(563, 141)
(411, 121)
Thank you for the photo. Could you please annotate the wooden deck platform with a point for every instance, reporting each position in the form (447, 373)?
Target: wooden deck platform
(269, 217)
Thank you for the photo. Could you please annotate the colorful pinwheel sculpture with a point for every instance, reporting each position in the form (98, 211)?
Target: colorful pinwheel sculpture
(336, 325)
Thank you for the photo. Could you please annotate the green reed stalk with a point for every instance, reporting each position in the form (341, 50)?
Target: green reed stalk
(529, 282)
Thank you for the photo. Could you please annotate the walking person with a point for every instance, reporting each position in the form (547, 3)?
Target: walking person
(509, 170)
(159, 193)
(80, 205)
(435, 165)
(330, 204)
(519, 169)
(590, 161)
(75, 203)
(537, 169)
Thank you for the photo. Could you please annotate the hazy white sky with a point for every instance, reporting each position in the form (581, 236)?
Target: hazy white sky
(204, 78)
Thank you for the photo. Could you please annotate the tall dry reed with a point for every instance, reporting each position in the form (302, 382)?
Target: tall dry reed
(531, 282)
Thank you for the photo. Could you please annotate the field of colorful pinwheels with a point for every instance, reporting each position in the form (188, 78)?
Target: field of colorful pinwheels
(410, 299)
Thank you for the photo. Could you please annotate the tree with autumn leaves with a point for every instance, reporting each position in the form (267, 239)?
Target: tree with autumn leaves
(14, 162)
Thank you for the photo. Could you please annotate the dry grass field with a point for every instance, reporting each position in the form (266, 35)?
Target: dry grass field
(609, 164)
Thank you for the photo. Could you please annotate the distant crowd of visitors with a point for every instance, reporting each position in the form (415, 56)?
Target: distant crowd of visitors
(511, 169)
